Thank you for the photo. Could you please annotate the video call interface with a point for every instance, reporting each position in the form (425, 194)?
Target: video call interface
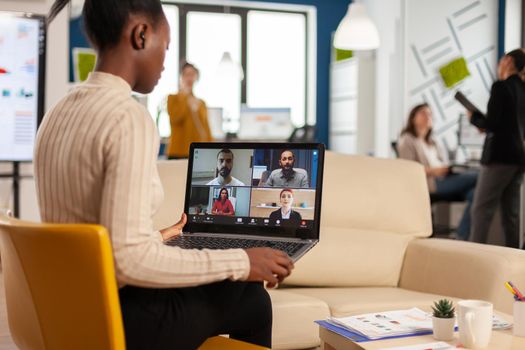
(254, 187)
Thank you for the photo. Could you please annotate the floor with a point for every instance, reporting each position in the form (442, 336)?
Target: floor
(6, 343)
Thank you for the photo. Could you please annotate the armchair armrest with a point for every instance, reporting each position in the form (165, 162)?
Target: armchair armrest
(463, 269)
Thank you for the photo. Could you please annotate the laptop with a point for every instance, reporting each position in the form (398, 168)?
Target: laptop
(246, 195)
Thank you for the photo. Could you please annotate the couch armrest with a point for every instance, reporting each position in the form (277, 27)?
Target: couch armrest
(464, 270)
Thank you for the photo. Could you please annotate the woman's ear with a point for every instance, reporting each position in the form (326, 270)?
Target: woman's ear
(139, 36)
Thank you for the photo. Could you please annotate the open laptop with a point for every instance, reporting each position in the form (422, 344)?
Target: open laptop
(246, 195)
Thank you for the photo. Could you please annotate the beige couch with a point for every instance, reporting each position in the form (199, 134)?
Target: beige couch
(374, 253)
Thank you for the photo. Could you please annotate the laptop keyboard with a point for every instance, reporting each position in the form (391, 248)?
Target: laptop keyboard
(198, 242)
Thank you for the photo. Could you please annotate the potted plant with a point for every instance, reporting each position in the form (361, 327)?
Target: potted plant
(443, 320)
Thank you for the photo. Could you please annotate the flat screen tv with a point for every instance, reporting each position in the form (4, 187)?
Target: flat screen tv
(22, 77)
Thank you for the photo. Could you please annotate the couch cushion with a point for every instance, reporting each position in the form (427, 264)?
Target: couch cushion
(354, 301)
(173, 177)
(293, 320)
(379, 194)
(351, 257)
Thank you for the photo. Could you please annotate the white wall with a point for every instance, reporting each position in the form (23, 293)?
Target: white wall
(389, 77)
(429, 29)
(56, 86)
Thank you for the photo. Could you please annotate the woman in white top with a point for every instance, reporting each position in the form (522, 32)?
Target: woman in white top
(96, 162)
(416, 143)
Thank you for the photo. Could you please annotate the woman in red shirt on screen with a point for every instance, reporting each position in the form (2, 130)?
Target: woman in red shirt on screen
(223, 205)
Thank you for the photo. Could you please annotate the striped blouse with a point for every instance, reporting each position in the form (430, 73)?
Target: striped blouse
(95, 162)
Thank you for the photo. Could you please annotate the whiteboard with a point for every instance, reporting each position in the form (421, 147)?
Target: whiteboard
(22, 62)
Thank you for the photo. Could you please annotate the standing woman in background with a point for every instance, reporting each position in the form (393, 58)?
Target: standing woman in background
(96, 162)
(503, 157)
(188, 115)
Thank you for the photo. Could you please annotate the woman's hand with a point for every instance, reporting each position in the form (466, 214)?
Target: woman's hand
(174, 230)
(440, 171)
(269, 265)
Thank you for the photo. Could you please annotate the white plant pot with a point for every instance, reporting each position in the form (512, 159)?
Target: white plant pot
(443, 328)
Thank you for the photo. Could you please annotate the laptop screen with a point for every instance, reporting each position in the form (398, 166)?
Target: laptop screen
(270, 189)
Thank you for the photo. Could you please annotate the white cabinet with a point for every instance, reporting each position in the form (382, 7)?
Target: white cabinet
(343, 106)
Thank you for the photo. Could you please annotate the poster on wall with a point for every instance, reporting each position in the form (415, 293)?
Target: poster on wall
(457, 52)
(22, 62)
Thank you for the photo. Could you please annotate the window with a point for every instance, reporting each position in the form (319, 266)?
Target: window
(277, 62)
(269, 42)
(209, 35)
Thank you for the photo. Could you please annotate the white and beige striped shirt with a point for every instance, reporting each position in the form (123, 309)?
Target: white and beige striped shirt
(95, 162)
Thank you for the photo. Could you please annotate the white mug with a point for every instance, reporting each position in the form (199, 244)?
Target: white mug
(474, 323)
(519, 319)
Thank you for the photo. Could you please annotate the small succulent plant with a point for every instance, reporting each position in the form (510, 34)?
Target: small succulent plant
(443, 309)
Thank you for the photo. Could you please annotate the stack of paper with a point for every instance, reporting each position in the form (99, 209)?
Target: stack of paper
(428, 346)
(386, 324)
(396, 323)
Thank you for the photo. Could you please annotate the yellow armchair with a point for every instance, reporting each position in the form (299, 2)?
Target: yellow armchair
(61, 291)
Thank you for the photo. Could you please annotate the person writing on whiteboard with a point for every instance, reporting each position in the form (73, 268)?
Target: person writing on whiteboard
(416, 143)
(188, 115)
(503, 157)
(223, 205)
(96, 162)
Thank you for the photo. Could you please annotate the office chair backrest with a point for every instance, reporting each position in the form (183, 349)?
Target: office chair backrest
(60, 286)
(393, 144)
(303, 134)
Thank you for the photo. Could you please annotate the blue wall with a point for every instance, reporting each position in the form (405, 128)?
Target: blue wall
(329, 14)
(501, 27)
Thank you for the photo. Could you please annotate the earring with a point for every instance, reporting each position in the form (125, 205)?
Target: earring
(143, 38)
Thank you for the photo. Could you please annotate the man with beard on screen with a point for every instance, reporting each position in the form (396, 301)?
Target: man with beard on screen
(224, 169)
(288, 176)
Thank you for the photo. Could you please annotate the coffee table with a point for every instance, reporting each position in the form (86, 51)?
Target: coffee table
(500, 340)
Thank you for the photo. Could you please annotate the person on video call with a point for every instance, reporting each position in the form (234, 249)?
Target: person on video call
(285, 213)
(287, 175)
(188, 115)
(170, 298)
(503, 157)
(417, 144)
(224, 169)
(223, 205)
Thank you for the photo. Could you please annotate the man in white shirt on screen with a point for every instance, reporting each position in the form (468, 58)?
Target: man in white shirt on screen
(224, 169)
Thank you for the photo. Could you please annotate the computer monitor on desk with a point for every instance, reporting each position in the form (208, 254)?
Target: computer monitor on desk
(270, 124)
(215, 119)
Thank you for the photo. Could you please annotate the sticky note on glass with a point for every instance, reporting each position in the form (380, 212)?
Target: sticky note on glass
(84, 61)
(454, 72)
(341, 55)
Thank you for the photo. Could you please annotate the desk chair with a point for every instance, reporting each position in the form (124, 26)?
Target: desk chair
(443, 229)
(61, 291)
(393, 144)
(303, 134)
(437, 229)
